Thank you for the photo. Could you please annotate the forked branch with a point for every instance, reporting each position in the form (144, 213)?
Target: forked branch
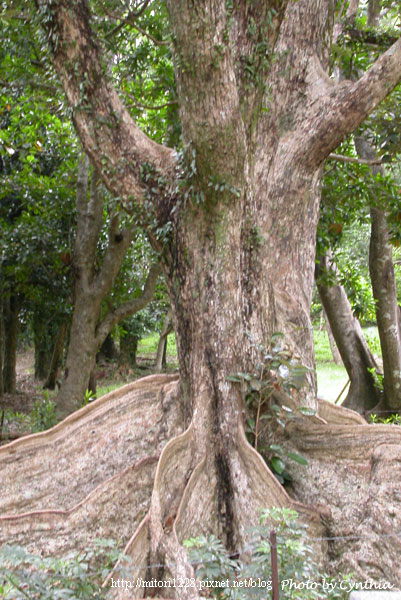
(114, 143)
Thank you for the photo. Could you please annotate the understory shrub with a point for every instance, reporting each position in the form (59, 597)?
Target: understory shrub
(248, 576)
(77, 576)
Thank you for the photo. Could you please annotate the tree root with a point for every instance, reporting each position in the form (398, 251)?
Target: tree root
(118, 466)
(74, 479)
(355, 470)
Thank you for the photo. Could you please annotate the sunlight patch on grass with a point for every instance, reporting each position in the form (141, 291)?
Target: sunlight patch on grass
(331, 379)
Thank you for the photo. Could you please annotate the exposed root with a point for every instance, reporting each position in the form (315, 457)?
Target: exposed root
(63, 487)
(98, 474)
(355, 470)
(333, 413)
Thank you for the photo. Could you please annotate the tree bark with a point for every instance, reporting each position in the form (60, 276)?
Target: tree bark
(11, 325)
(44, 339)
(387, 311)
(259, 115)
(128, 350)
(356, 356)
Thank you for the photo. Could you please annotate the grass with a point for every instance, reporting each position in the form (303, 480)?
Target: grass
(148, 345)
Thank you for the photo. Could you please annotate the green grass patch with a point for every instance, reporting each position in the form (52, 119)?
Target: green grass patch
(148, 344)
(102, 390)
(322, 346)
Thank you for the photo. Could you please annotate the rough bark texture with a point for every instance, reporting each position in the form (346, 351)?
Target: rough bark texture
(88, 471)
(93, 475)
(357, 358)
(259, 116)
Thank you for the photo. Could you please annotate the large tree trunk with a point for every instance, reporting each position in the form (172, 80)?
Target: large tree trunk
(363, 395)
(239, 263)
(11, 324)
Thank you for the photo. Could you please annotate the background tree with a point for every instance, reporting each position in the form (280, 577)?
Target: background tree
(94, 276)
(380, 194)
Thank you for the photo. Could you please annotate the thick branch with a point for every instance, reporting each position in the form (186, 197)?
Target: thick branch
(116, 146)
(131, 307)
(348, 104)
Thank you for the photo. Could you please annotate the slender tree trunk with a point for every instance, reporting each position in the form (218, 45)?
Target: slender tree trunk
(347, 332)
(107, 350)
(43, 344)
(167, 328)
(11, 324)
(1, 344)
(382, 277)
(88, 332)
(81, 356)
(387, 311)
(57, 358)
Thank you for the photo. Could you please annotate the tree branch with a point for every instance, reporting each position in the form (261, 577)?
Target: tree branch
(131, 307)
(353, 159)
(130, 20)
(382, 39)
(147, 106)
(114, 143)
(347, 104)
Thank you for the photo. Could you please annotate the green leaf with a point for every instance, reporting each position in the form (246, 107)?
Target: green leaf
(297, 458)
(276, 448)
(277, 464)
(234, 378)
